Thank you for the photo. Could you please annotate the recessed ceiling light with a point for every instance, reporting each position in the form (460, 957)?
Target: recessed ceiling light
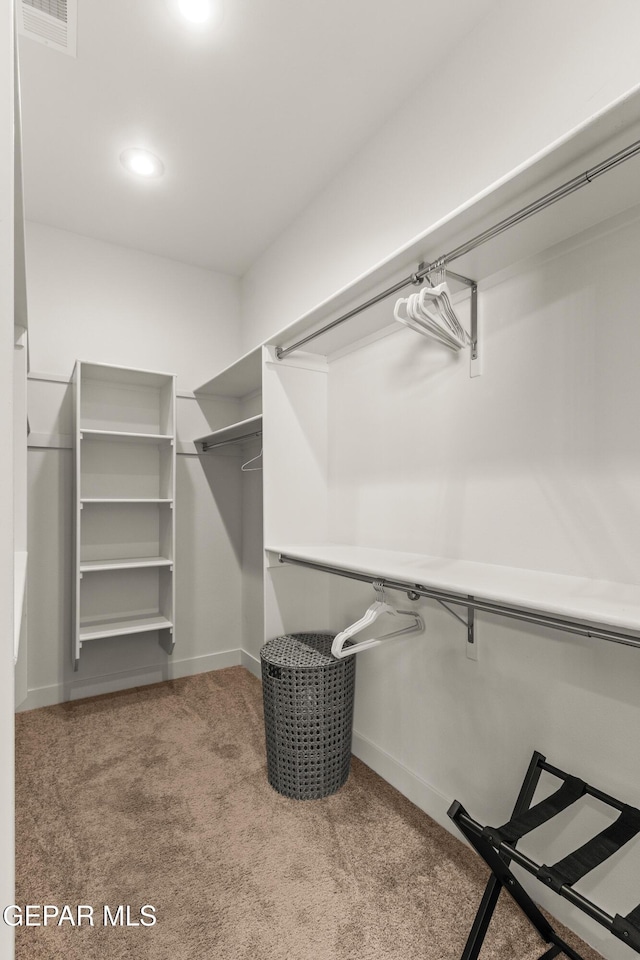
(195, 10)
(142, 162)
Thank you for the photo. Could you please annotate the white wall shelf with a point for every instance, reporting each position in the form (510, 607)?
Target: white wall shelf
(234, 433)
(125, 476)
(126, 500)
(597, 602)
(119, 436)
(240, 379)
(126, 563)
(615, 192)
(96, 629)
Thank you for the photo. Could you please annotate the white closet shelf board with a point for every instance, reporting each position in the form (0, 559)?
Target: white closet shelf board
(238, 380)
(97, 629)
(594, 601)
(235, 432)
(614, 192)
(124, 375)
(119, 436)
(133, 563)
(124, 500)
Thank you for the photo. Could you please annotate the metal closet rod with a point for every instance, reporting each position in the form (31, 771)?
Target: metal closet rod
(523, 214)
(223, 443)
(473, 603)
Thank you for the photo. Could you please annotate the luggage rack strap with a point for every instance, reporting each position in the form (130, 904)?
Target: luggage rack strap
(516, 828)
(595, 851)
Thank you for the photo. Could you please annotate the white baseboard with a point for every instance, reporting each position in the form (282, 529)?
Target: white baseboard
(75, 688)
(409, 784)
(251, 663)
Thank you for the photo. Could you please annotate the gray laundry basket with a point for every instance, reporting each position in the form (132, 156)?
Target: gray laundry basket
(308, 714)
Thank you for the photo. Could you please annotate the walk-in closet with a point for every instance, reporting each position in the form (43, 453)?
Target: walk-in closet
(320, 580)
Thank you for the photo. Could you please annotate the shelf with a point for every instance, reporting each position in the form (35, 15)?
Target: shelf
(234, 433)
(609, 195)
(237, 380)
(96, 629)
(118, 436)
(599, 602)
(125, 376)
(128, 563)
(124, 500)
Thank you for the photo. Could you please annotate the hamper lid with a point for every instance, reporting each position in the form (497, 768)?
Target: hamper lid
(300, 650)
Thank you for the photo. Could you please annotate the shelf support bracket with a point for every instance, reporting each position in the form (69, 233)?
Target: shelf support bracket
(469, 623)
(474, 350)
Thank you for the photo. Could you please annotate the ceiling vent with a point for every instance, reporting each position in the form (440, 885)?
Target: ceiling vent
(51, 22)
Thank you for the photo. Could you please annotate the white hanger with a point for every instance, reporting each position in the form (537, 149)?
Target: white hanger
(376, 610)
(246, 468)
(431, 313)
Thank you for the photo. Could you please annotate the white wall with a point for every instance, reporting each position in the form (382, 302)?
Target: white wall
(6, 477)
(91, 300)
(97, 301)
(526, 76)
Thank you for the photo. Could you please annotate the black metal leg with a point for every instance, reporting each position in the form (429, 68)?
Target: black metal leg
(551, 953)
(481, 923)
(502, 877)
(506, 879)
(493, 888)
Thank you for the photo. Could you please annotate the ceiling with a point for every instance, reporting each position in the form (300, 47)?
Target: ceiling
(251, 119)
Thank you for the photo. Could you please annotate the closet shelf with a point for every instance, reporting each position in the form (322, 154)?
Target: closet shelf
(234, 433)
(237, 380)
(127, 563)
(97, 628)
(603, 199)
(120, 436)
(602, 603)
(125, 500)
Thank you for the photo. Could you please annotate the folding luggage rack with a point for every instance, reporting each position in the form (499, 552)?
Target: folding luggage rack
(497, 847)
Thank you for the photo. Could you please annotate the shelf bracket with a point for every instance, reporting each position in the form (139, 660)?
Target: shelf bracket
(469, 623)
(474, 350)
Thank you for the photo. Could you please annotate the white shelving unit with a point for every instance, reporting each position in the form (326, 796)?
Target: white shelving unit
(125, 497)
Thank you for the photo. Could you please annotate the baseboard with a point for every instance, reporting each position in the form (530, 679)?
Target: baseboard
(423, 794)
(409, 784)
(75, 688)
(251, 663)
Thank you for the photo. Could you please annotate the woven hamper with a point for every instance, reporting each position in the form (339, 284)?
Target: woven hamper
(308, 714)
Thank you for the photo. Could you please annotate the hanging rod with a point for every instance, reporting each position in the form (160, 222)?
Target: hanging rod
(564, 190)
(473, 603)
(223, 443)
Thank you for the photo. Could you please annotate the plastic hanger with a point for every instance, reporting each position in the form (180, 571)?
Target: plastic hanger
(373, 613)
(431, 313)
(425, 321)
(246, 468)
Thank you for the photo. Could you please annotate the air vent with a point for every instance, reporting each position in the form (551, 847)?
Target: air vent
(51, 22)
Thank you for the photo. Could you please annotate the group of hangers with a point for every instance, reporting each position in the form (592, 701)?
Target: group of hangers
(430, 312)
(377, 609)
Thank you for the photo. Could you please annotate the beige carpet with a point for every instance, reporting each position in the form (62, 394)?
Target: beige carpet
(159, 796)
